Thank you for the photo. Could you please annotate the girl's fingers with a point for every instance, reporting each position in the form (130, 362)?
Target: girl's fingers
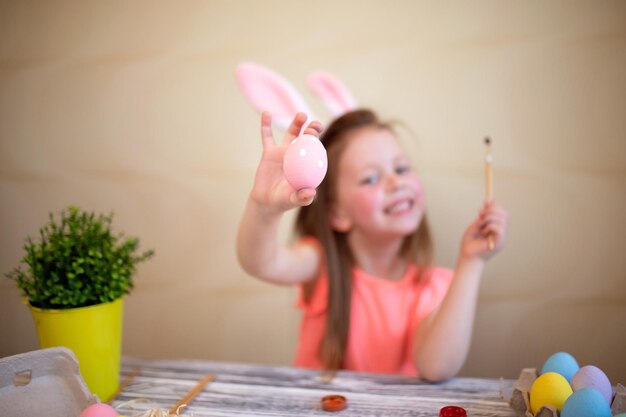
(493, 213)
(494, 217)
(497, 233)
(488, 224)
(306, 196)
(266, 130)
(303, 197)
(498, 211)
(491, 227)
(314, 128)
(295, 127)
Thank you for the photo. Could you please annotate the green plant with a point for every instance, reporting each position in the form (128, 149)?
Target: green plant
(77, 262)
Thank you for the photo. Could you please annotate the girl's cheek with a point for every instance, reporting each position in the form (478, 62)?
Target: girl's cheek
(367, 201)
(419, 191)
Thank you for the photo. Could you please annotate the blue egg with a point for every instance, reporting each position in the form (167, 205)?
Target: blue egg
(586, 402)
(562, 363)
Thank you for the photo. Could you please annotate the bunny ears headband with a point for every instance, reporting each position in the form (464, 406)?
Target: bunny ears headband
(266, 90)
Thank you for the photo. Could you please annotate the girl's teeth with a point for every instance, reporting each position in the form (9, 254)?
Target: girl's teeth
(400, 207)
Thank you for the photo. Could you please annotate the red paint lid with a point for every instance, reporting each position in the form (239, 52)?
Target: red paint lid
(334, 402)
(452, 411)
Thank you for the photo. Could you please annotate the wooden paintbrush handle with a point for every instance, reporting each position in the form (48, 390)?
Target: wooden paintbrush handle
(488, 180)
(489, 183)
(188, 398)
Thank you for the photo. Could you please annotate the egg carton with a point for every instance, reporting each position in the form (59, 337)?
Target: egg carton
(520, 398)
(43, 382)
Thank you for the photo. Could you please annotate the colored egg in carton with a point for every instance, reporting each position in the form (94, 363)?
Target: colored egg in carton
(563, 389)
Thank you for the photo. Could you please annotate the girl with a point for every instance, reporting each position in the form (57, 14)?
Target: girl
(371, 300)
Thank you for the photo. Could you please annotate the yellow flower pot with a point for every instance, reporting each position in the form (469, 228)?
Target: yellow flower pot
(94, 334)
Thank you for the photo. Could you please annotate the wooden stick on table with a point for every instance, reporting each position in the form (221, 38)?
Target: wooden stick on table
(188, 398)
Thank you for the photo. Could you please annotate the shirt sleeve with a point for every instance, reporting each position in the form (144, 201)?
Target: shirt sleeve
(432, 292)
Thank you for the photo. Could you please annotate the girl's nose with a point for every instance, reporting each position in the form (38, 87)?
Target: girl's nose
(394, 182)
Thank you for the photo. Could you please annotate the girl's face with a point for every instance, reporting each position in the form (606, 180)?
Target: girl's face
(378, 194)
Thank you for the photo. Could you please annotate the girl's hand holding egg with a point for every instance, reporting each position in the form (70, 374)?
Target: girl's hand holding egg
(288, 173)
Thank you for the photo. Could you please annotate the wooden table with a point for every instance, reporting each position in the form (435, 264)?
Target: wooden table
(252, 390)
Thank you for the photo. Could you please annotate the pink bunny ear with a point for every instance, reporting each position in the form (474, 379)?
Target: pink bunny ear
(268, 91)
(334, 93)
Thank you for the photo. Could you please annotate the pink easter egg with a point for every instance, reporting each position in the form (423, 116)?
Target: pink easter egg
(305, 162)
(99, 410)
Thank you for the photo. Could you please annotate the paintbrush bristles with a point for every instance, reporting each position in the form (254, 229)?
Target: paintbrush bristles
(488, 157)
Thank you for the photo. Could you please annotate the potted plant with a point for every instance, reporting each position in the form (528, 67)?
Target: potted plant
(73, 278)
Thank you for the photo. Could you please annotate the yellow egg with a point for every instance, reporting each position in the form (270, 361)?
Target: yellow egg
(549, 389)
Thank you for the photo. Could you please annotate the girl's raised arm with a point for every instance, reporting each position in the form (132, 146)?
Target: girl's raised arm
(443, 340)
(258, 249)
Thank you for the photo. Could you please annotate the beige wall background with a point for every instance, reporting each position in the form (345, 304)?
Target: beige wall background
(133, 107)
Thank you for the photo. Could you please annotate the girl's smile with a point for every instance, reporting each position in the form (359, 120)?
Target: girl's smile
(400, 207)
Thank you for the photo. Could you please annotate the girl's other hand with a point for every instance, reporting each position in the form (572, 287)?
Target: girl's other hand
(491, 224)
(271, 190)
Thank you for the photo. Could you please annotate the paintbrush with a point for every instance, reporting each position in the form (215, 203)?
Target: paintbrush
(489, 180)
(188, 398)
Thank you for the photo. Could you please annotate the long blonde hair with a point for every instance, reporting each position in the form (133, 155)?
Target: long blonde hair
(313, 220)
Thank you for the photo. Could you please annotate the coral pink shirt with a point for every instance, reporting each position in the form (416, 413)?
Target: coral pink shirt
(383, 318)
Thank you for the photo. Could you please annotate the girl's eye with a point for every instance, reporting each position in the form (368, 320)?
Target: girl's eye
(402, 169)
(370, 180)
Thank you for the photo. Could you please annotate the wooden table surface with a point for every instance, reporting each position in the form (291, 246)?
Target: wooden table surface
(253, 390)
